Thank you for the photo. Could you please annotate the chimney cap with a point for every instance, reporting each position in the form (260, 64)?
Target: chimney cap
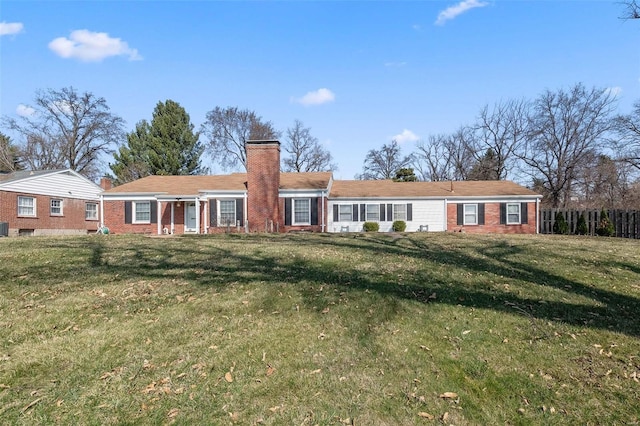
(263, 142)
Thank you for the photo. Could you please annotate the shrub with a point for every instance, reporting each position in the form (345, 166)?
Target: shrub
(399, 225)
(560, 226)
(605, 226)
(371, 226)
(581, 226)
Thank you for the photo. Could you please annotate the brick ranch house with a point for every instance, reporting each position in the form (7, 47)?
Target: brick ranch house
(51, 202)
(266, 200)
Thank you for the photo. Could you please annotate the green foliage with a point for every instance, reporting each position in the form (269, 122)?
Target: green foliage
(581, 226)
(605, 226)
(405, 174)
(166, 146)
(399, 225)
(371, 227)
(560, 226)
(486, 168)
(9, 155)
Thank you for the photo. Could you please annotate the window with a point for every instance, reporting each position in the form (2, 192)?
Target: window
(345, 213)
(470, 214)
(142, 212)
(372, 213)
(301, 211)
(26, 206)
(91, 211)
(399, 212)
(55, 208)
(227, 212)
(513, 213)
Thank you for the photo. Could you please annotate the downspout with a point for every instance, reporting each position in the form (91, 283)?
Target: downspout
(245, 213)
(446, 219)
(537, 215)
(159, 217)
(323, 224)
(101, 211)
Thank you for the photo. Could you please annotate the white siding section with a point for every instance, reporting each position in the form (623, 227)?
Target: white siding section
(63, 184)
(426, 213)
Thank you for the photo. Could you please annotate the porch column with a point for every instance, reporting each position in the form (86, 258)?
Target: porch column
(101, 211)
(206, 221)
(173, 227)
(197, 215)
(159, 218)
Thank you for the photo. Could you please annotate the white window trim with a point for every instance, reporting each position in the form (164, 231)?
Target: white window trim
(350, 212)
(86, 210)
(134, 209)
(519, 214)
(395, 213)
(366, 213)
(220, 222)
(464, 214)
(51, 213)
(293, 211)
(33, 214)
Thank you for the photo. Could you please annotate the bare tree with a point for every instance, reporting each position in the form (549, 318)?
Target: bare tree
(499, 131)
(305, 152)
(628, 129)
(631, 10)
(68, 130)
(445, 157)
(9, 155)
(565, 128)
(228, 130)
(384, 163)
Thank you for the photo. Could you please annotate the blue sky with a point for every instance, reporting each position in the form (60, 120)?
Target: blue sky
(359, 73)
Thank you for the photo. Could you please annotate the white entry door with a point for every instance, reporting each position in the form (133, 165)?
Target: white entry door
(190, 217)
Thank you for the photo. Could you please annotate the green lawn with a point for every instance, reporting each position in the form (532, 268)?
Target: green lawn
(373, 329)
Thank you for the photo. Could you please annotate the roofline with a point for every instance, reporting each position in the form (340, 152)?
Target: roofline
(47, 173)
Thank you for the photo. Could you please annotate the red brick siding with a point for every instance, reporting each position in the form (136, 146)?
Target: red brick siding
(72, 220)
(114, 220)
(263, 182)
(310, 228)
(492, 221)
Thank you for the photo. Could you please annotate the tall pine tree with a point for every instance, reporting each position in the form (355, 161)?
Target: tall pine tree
(166, 146)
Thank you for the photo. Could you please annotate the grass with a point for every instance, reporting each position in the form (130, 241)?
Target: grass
(320, 329)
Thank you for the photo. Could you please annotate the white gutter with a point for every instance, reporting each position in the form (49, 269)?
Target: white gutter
(101, 211)
(322, 198)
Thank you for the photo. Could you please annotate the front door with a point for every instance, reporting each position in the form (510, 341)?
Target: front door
(190, 217)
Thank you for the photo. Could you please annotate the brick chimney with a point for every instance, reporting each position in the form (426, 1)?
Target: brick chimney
(106, 184)
(263, 184)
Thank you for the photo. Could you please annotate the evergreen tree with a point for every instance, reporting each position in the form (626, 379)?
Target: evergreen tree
(9, 155)
(166, 146)
(581, 226)
(605, 226)
(560, 226)
(405, 174)
(485, 167)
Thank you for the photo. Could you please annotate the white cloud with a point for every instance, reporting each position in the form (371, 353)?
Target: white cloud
(10, 28)
(90, 46)
(405, 136)
(614, 91)
(453, 12)
(395, 64)
(417, 27)
(318, 97)
(25, 111)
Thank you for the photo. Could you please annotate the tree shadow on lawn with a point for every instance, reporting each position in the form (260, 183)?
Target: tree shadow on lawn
(217, 266)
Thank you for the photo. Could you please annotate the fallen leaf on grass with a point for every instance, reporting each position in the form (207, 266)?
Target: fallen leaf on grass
(173, 412)
(445, 417)
(325, 310)
(466, 332)
(31, 404)
(228, 377)
(449, 395)
(319, 370)
(425, 415)
(270, 370)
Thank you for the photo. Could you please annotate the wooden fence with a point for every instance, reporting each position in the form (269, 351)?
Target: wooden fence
(625, 222)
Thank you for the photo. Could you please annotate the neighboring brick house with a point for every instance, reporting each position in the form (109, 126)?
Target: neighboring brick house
(50, 202)
(266, 200)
